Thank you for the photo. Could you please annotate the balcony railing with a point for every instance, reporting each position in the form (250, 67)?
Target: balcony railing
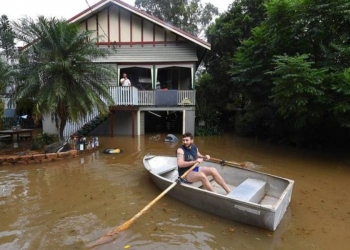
(133, 96)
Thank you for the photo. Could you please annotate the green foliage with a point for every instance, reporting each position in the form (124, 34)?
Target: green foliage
(46, 138)
(188, 15)
(6, 75)
(298, 90)
(209, 123)
(341, 104)
(37, 144)
(7, 37)
(59, 71)
(295, 64)
(254, 122)
(226, 36)
(25, 105)
(208, 120)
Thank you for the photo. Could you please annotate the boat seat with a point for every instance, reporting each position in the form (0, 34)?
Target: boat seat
(251, 190)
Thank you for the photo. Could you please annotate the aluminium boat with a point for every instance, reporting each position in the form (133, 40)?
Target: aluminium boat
(256, 198)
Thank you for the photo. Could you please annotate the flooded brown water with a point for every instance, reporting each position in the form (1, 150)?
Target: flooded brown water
(70, 203)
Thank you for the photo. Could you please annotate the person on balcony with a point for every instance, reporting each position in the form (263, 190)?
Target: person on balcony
(125, 82)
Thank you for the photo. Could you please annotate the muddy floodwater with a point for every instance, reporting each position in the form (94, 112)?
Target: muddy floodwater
(70, 203)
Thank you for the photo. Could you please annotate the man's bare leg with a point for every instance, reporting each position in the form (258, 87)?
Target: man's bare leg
(217, 177)
(200, 176)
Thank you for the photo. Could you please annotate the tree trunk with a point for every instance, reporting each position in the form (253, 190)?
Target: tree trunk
(62, 126)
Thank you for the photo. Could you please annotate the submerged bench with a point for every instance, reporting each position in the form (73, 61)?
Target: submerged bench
(5, 138)
(251, 190)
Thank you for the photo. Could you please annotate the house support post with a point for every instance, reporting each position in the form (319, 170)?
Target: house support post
(111, 116)
(133, 123)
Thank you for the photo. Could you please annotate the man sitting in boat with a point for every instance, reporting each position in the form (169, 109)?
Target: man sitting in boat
(188, 155)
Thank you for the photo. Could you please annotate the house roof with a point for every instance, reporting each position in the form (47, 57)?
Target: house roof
(103, 3)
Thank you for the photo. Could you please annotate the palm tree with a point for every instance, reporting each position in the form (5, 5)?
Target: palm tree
(59, 71)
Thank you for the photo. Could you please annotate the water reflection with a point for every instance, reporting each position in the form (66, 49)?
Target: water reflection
(70, 203)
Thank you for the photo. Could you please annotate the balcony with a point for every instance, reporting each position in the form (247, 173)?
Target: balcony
(125, 96)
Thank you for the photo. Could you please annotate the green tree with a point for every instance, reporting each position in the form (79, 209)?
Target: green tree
(207, 112)
(6, 75)
(270, 72)
(7, 49)
(58, 70)
(7, 37)
(225, 37)
(298, 90)
(188, 15)
(341, 100)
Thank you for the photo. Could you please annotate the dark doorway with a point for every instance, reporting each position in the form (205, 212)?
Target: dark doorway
(163, 121)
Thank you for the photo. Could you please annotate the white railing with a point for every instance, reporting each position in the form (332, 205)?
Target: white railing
(186, 97)
(146, 97)
(124, 95)
(133, 96)
(72, 127)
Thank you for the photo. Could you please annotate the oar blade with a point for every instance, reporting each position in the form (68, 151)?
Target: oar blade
(111, 235)
(101, 241)
(122, 227)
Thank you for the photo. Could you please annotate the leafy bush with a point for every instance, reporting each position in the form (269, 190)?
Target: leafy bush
(41, 140)
(37, 144)
(46, 138)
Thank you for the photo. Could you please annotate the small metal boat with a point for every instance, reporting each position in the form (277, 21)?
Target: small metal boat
(256, 198)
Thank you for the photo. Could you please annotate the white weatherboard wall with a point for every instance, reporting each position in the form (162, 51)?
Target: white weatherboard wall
(188, 121)
(49, 126)
(123, 123)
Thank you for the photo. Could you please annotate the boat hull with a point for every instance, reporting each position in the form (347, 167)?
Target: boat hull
(267, 213)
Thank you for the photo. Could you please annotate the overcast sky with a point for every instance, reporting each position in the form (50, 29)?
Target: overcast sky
(15, 9)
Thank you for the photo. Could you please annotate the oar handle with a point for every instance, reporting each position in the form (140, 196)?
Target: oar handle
(221, 161)
(224, 162)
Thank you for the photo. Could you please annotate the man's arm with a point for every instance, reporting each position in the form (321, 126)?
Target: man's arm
(204, 157)
(181, 159)
(121, 81)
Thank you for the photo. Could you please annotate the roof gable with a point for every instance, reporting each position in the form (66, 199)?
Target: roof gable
(107, 3)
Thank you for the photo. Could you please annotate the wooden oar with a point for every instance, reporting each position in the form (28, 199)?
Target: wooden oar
(229, 163)
(110, 236)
